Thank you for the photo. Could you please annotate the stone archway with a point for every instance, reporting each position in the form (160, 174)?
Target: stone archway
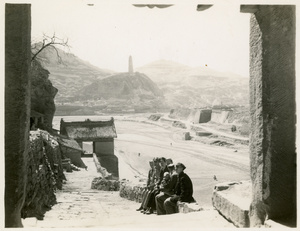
(273, 112)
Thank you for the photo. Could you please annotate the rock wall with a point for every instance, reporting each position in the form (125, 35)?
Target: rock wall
(44, 174)
(272, 111)
(42, 94)
(131, 191)
(17, 108)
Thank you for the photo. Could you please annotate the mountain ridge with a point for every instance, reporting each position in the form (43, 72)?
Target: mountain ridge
(71, 74)
(164, 71)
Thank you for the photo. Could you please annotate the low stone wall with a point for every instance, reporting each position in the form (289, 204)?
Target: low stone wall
(100, 183)
(44, 174)
(131, 191)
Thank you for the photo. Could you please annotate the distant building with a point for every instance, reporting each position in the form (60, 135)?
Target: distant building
(101, 133)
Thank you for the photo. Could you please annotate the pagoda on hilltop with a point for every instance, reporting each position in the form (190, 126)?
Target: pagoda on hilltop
(130, 65)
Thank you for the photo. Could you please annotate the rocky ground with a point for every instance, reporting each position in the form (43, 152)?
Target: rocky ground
(81, 207)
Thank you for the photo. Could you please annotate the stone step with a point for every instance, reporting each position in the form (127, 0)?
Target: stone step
(232, 200)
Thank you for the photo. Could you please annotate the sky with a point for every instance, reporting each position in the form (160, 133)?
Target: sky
(106, 33)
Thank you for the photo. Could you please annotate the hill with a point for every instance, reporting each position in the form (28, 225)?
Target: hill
(123, 92)
(163, 71)
(71, 75)
(190, 87)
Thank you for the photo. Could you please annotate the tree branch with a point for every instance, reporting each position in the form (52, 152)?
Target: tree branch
(50, 42)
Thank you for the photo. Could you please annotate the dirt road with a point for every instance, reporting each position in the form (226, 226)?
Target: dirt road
(202, 161)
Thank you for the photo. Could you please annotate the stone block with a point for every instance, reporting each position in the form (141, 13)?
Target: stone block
(184, 207)
(232, 200)
(203, 133)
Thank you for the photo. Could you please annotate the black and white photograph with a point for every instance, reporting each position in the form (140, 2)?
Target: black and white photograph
(157, 115)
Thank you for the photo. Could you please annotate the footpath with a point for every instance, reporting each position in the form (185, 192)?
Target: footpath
(79, 206)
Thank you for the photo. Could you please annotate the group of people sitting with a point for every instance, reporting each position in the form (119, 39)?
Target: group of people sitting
(166, 185)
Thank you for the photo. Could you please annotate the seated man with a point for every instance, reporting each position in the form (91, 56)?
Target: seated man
(166, 191)
(150, 185)
(169, 161)
(183, 191)
(151, 202)
(146, 208)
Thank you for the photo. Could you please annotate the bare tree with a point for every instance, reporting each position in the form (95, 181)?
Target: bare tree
(48, 42)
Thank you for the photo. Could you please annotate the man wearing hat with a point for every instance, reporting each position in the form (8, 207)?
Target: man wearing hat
(167, 192)
(183, 190)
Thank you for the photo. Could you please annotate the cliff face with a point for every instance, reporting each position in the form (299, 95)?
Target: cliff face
(42, 94)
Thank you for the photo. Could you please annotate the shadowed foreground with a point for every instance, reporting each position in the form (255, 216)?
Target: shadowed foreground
(80, 206)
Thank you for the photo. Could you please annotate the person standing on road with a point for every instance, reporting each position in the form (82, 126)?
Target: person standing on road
(183, 191)
(167, 191)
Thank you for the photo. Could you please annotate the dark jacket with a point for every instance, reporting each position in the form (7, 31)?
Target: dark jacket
(184, 188)
(169, 189)
(161, 174)
(150, 180)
